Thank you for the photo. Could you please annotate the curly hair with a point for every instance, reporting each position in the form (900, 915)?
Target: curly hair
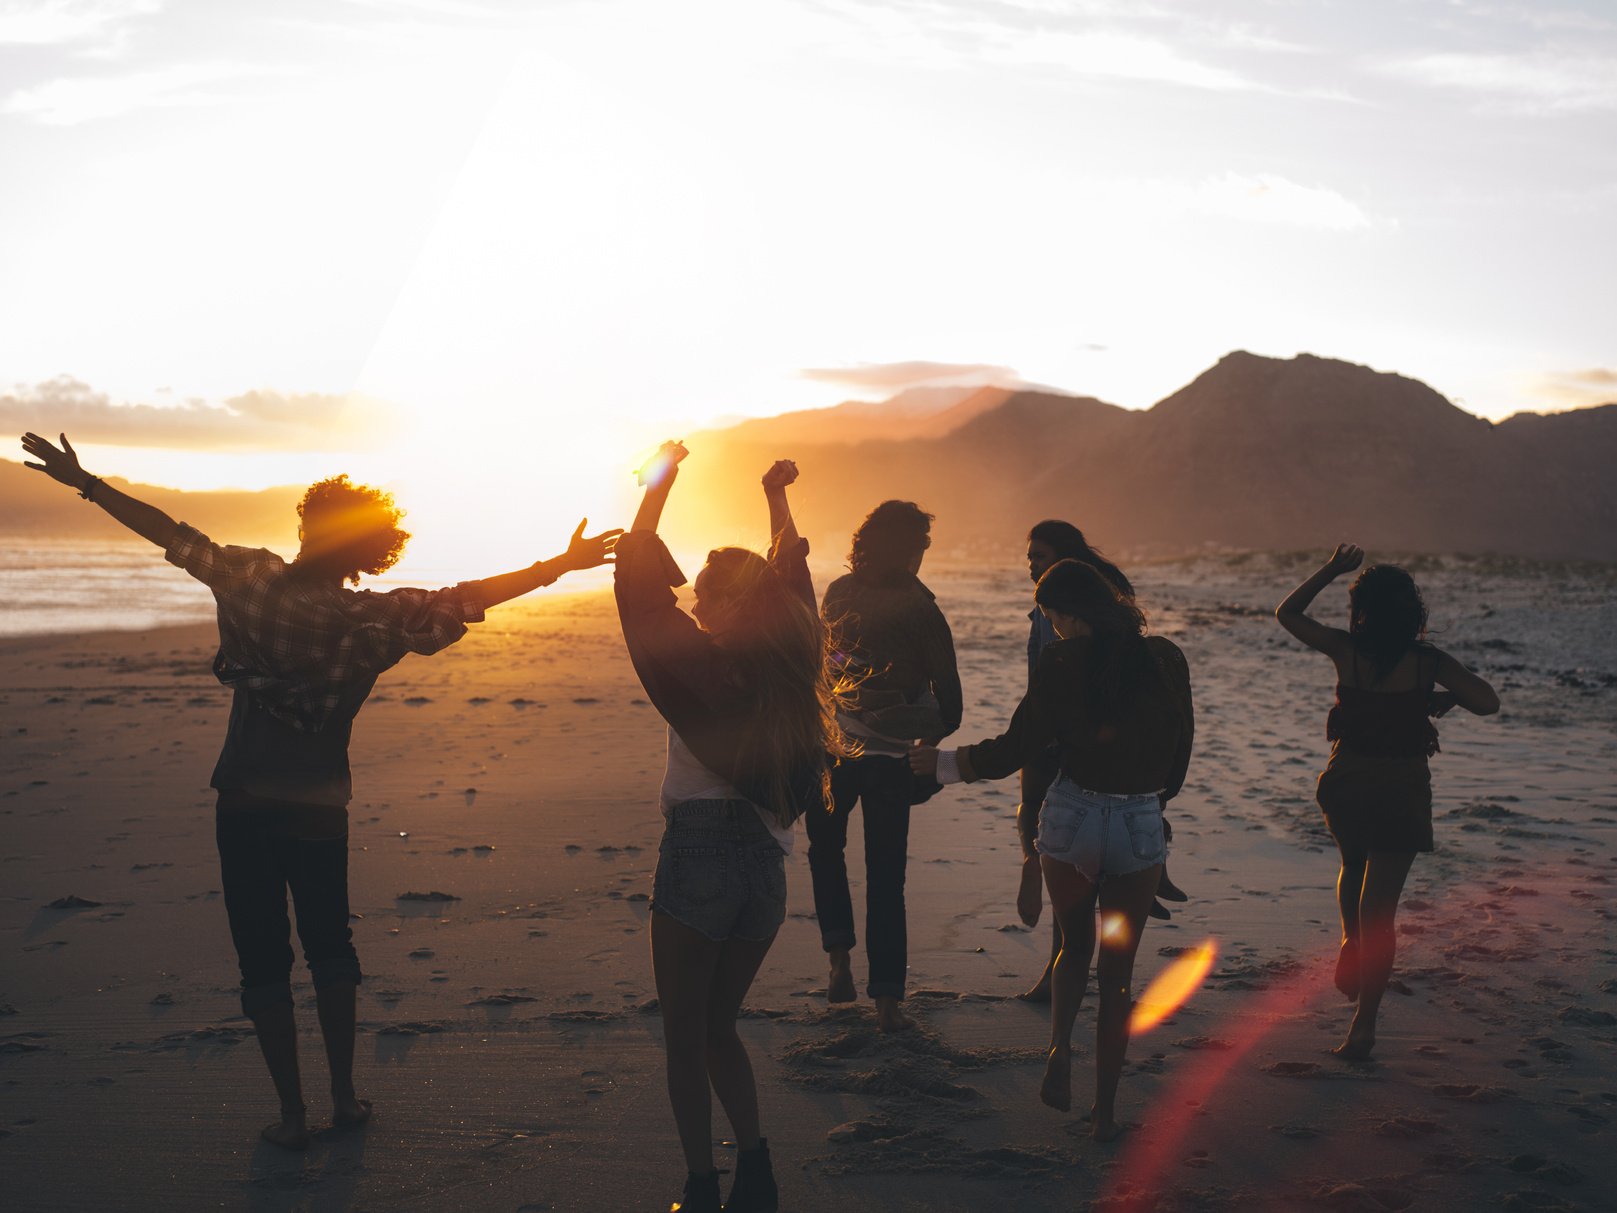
(356, 528)
(1387, 616)
(892, 535)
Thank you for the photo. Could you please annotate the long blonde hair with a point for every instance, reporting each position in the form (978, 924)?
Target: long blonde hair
(776, 652)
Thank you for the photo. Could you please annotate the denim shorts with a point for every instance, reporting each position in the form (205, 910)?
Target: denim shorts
(720, 871)
(1098, 833)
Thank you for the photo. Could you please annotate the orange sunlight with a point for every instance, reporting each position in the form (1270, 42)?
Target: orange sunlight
(1172, 988)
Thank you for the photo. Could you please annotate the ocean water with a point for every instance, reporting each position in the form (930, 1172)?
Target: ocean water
(62, 586)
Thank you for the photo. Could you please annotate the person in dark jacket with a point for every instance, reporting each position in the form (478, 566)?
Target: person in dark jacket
(1117, 704)
(742, 683)
(1047, 542)
(301, 653)
(892, 646)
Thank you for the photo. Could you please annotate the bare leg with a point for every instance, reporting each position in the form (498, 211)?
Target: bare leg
(1029, 899)
(1072, 902)
(1349, 888)
(684, 961)
(728, 1066)
(277, 1035)
(1384, 876)
(337, 1014)
(1128, 899)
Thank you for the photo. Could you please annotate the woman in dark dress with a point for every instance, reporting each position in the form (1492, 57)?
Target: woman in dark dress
(1376, 789)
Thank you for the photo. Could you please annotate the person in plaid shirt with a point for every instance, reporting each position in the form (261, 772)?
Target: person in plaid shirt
(301, 653)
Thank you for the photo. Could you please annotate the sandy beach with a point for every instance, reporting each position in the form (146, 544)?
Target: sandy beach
(503, 836)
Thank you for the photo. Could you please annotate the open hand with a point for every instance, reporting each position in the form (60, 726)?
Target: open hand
(61, 466)
(924, 760)
(1346, 558)
(588, 551)
(782, 473)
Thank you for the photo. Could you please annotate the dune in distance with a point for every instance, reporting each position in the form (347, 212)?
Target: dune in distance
(1256, 452)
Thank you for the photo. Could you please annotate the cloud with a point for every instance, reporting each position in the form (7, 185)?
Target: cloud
(1110, 54)
(913, 374)
(1574, 389)
(52, 22)
(259, 420)
(1266, 198)
(72, 100)
(1539, 82)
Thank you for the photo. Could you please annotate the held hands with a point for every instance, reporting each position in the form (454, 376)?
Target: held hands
(655, 471)
(588, 551)
(61, 466)
(1346, 558)
(924, 760)
(782, 473)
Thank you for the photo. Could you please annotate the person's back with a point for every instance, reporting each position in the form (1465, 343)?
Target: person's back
(895, 642)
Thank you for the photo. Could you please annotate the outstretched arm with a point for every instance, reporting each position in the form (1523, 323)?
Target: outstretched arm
(1292, 612)
(62, 466)
(583, 552)
(658, 475)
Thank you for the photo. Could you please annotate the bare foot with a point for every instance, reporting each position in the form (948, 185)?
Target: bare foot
(350, 1111)
(1056, 1089)
(291, 1132)
(889, 1018)
(1355, 1047)
(1347, 969)
(1103, 1128)
(1039, 991)
(1030, 894)
(839, 987)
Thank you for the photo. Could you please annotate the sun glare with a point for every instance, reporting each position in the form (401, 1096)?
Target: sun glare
(1172, 988)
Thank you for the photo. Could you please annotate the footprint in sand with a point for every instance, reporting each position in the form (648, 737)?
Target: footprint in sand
(595, 1082)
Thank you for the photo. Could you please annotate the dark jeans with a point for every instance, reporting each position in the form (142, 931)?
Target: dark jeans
(882, 786)
(265, 848)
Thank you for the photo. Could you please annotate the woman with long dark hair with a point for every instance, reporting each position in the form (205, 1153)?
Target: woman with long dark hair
(1376, 789)
(750, 714)
(1117, 703)
(1047, 542)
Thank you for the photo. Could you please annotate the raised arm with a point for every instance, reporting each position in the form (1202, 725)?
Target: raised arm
(1292, 612)
(782, 530)
(658, 475)
(62, 466)
(583, 552)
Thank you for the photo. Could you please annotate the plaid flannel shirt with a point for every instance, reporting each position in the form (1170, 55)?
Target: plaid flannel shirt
(294, 644)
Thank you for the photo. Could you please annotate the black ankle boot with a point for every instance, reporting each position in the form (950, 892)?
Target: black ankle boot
(701, 1194)
(754, 1190)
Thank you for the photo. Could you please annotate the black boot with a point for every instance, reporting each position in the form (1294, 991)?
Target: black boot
(701, 1194)
(754, 1190)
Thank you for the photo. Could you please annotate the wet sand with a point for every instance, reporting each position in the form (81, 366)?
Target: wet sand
(508, 1033)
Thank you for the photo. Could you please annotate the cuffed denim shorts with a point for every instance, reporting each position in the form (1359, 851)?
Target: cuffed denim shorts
(720, 871)
(1098, 833)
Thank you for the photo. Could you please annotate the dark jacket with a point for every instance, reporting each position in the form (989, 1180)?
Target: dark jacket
(890, 636)
(688, 678)
(1146, 748)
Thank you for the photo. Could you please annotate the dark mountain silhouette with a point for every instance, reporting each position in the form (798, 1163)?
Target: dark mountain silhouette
(1254, 453)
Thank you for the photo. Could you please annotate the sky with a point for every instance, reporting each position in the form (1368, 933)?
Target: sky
(490, 253)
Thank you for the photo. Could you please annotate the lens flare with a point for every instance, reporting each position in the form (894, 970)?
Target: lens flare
(1114, 928)
(1171, 988)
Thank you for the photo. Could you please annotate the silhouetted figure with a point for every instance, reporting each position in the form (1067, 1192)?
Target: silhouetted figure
(1048, 542)
(1117, 704)
(1376, 789)
(893, 646)
(301, 653)
(744, 690)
